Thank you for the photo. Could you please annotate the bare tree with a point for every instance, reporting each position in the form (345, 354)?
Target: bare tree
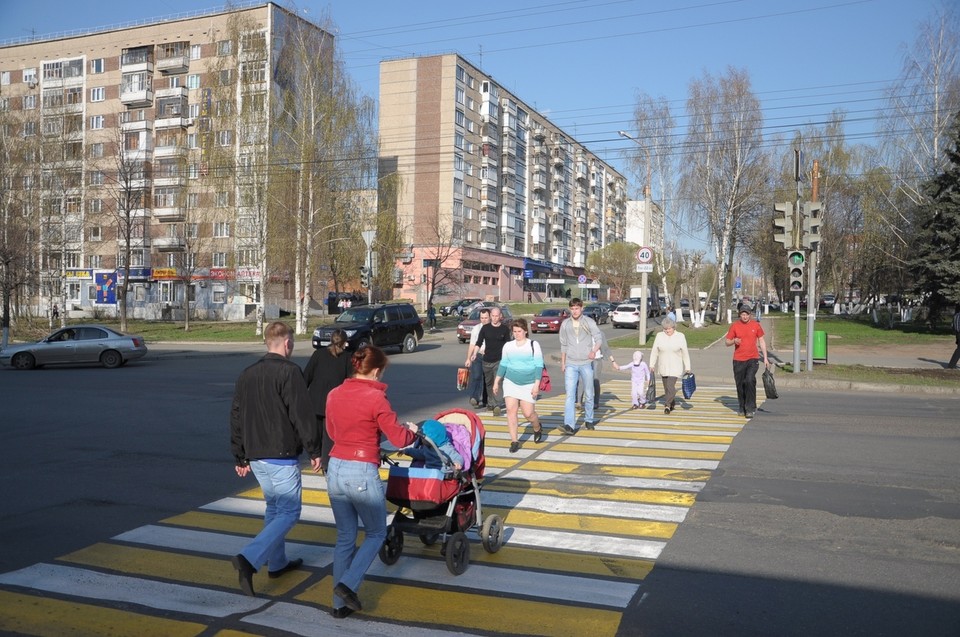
(724, 168)
(19, 155)
(615, 266)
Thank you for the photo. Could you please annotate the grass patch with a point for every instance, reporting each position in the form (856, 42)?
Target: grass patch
(885, 375)
(858, 331)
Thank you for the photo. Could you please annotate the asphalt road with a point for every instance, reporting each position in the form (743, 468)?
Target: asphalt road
(830, 514)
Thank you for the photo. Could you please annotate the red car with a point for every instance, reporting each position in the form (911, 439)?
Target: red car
(549, 320)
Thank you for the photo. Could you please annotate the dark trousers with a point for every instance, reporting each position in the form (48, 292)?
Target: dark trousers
(745, 377)
(327, 442)
(478, 388)
(956, 355)
(490, 375)
(669, 391)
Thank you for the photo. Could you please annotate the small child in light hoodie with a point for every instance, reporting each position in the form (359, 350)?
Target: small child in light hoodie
(436, 432)
(639, 379)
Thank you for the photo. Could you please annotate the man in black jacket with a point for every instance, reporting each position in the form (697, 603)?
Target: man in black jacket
(956, 332)
(271, 422)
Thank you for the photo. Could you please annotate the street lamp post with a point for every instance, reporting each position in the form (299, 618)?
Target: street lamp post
(644, 239)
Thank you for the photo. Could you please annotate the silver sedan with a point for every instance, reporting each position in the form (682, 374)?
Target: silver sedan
(76, 344)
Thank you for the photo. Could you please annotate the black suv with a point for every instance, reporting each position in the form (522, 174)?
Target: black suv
(381, 325)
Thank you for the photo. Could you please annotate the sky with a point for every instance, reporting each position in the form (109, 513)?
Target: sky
(583, 62)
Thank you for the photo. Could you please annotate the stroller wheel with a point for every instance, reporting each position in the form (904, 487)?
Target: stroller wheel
(429, 539)
(491, 535)
(392, 546)
(458, 553)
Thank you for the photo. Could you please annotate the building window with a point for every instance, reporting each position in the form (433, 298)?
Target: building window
(29, 129)
(95, 205)
(223, 199)
(219, 294)
(95, 233)
(193, 81)
(96, 122)
(226, 77)
(96, 150)
(193, 110)
(460, 95)
(30, 76)
(97, 178)
(4, 78)
(224, 47)
(94, 261)
(193, 200)
(219, 259)
(29, 102)
(96, 66)
(195, 52)
(225, 137)
(221, 229)
(458, 140)
(98, 94)
(174, 81)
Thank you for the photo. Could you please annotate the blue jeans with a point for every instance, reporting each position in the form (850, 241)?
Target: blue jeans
(573, 373)
(356, 491)
(477, 386)
(282, 490)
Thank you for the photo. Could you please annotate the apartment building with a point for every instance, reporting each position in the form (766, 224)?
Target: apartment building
(130, 153)
(502, 201)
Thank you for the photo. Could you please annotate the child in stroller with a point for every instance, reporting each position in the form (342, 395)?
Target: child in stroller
(442, 505)
(438, 455)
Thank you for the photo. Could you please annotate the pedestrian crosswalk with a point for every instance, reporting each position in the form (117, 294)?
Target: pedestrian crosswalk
(586, 517)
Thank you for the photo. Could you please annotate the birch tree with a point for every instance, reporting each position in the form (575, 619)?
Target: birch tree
(724, 172)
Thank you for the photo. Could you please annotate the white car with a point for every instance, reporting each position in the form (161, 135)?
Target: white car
(626, 315)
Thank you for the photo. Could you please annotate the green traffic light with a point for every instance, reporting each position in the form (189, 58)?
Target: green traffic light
(797, 258)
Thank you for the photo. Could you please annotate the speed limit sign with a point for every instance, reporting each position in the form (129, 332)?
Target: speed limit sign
(644, 255)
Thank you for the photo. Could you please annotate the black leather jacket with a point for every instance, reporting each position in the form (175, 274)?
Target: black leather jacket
(272, 415)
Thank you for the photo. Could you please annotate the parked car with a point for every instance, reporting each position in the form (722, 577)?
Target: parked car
(828, 301)
(626, 315)
(466, 325)
(598, 312)
(549, 320)
(685, 303)
(387, 325)
(77, 344)
(455, 307)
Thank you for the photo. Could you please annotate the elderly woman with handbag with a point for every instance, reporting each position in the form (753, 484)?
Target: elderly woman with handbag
(670, 358)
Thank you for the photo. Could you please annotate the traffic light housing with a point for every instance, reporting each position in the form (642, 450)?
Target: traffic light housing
(811, 224)
(796, 266)
(783, 226)
(364, 276)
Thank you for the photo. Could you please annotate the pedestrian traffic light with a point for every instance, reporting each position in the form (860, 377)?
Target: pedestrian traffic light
(811, 224)
(783, 225)
(796, 264)
(364, 276)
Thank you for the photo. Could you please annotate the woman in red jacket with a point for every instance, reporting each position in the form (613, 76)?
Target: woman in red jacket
(358, 412)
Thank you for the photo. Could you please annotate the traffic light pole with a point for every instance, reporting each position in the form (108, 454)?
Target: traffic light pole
(811, 307)
(798, 231)
(796, 333)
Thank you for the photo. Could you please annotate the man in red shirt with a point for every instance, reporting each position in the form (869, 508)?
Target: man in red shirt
(745, 335)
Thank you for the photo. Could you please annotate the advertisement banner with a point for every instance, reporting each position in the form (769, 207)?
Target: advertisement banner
(106, 283)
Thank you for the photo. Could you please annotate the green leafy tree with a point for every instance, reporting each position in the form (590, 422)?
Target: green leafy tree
(936, 247)
(615, 265)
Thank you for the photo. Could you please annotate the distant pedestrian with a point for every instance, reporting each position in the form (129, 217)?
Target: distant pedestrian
(746, 335)
(670, 358)
(491, 339)
(432, 315)
(580, 340)
(271, 421)
(956, 332)
(55, 312)
(477, 388)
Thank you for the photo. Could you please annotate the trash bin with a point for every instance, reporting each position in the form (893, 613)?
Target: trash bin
(819, 347)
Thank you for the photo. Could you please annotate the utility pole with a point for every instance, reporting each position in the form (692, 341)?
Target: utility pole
(644, 239)
(796, 238)
(812, 238)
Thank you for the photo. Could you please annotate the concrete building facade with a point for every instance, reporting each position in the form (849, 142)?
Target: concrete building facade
(145, 117)
(496, 201)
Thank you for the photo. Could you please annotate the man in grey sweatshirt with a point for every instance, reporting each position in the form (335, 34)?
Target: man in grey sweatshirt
(580, 340)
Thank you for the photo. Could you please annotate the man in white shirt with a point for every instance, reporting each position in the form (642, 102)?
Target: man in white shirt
(478, 388)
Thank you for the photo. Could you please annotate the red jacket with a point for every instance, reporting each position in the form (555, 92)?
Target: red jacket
(357, 412)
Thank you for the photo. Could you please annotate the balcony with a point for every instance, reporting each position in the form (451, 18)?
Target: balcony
(175, 213)
(180, 91)
(169, 244)
(137, 60)
(169, 180)
(136, 243)
(137, 99)
(170, 151)
(172, 122)
(174, 65)
(137, 125)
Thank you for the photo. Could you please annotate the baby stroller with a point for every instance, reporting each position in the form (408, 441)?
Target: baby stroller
(442, 504)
